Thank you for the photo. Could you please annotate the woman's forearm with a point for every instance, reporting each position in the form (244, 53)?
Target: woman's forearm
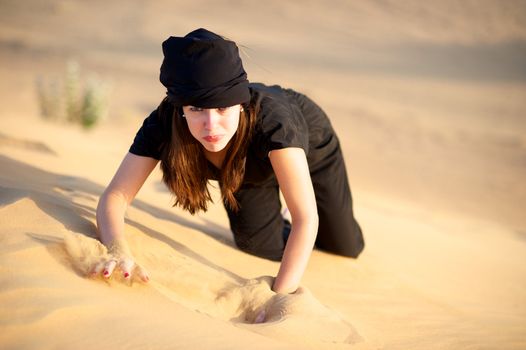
(110, 217)
(296, 256)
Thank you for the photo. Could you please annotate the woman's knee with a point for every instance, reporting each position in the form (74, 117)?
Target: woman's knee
(274, 254)
(356, 246)
(348, 251)
(269, 248)
(353, 251)
(350, 245)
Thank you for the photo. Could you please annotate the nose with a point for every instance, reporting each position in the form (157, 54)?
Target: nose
(211, 118)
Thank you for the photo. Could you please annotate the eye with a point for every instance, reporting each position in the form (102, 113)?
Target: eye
(195, 109)
(223, 109)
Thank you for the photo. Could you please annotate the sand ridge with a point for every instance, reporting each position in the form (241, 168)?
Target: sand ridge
(298, 318)
(428, 101)
(198, 280)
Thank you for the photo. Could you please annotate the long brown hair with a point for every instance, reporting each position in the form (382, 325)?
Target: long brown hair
(185, 167)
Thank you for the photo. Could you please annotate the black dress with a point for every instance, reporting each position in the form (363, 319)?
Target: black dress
(286, 119)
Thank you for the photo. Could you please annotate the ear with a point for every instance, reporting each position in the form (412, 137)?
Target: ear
(181, 112)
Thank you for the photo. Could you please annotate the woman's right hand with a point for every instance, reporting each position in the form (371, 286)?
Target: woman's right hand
(120, 258)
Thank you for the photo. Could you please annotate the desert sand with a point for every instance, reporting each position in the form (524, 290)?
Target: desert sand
(428, 101)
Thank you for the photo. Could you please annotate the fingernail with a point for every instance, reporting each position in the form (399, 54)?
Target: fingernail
(126, 275)
(106, 273)
(261, 317)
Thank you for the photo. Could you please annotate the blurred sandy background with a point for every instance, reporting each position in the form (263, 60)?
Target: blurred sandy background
(429, 102)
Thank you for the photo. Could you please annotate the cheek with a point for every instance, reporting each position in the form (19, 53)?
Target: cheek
(194, 128)
(233, 124)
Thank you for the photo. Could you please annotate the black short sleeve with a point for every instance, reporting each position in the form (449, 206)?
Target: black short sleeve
(150, 138)
(281, 125)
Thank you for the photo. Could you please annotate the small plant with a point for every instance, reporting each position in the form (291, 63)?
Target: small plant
(72, 92)
(94, 105)
(49, 98)
(71, 100)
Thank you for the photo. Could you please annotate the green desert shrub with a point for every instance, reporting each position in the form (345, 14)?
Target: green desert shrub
(72, 99)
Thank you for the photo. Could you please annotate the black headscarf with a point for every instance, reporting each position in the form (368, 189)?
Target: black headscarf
(203, 70)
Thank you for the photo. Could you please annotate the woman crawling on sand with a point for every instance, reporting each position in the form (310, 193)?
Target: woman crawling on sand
(254, 140)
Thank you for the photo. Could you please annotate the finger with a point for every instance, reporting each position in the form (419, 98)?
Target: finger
(97, 269)
(126, 266)
(142, 273)
(108, 269)
(260, 318)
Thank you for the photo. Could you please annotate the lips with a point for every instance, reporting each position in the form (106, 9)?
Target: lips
(213, 138)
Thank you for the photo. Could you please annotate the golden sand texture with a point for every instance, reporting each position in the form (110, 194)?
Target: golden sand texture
(428, 102)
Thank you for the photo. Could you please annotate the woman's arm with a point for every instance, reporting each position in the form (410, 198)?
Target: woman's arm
(127, 181)
(292, 171)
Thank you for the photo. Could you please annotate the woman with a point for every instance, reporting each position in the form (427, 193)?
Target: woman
(254, 139)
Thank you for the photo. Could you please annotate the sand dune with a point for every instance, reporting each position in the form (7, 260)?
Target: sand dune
(423, 282)
(428, 100)
(51, 286)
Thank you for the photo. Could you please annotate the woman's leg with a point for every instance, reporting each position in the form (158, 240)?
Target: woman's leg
(258, 225)
(338, 230)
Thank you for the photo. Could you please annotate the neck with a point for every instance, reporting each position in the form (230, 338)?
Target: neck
(216, 158)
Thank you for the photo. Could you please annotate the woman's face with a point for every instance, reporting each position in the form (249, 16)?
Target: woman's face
(212, 127)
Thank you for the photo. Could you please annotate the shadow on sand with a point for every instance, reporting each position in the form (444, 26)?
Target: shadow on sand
(51, 190)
